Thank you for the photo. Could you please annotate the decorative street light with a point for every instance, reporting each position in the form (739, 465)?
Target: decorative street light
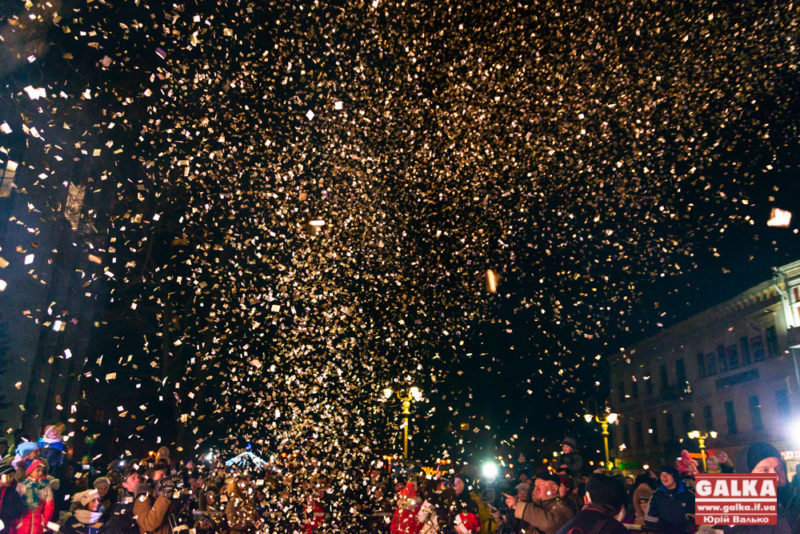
(604, 420)
(701, 438)
(414, 394)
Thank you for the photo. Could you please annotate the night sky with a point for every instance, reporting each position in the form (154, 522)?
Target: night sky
(614, 162)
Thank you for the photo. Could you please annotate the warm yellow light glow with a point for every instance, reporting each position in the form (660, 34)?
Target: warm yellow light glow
(492, 279)
(387, 392)
(612, 418)
(588, 417)
(416, 394)
(317, 222)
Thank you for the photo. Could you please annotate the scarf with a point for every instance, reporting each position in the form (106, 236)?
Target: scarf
(87, 517)
(34, 491)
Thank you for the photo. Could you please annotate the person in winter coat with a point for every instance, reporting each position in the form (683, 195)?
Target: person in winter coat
(570, 461)
(604, 507)
(25, 454)
(546, 513)
(86, 519)
(427, 518)
(641, 501)
(474, 504)
(671, 507)
(151, 506)
(240, 510)
(52, 448)
(120, 517)
(467, 523)
(38, 497)
(12, 506)
(405, 519)
(108, 495)
(764, 458)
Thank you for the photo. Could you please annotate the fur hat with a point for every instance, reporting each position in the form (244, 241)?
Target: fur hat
(644, 491)
(85, 497)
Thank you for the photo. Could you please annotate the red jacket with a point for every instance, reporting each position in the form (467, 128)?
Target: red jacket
(34, 521)
(314, 516)
(405, 522)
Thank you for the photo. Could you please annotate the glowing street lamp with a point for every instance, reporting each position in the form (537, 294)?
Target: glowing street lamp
(414, 394)
(604, 420)
(701, 438)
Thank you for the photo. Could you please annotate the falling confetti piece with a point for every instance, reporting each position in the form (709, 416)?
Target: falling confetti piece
(779, 218)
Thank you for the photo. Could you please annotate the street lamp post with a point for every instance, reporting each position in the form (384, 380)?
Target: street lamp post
(701, 438)
(414, 394)
(604, 420)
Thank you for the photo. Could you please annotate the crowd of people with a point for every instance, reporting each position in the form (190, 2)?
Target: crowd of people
(42, 489)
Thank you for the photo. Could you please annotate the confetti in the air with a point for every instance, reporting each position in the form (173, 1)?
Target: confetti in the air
(494, 196)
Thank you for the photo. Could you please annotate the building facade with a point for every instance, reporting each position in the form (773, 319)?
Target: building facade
(731, 369)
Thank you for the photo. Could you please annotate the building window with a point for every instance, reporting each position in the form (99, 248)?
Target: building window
(701, 365)
(782, 400)
(635, 389)
(653, 431)
(731, 415)
(711, 360)
(733, 357)
(664, 378)
(626, 435)
(744, 345)
(670, 426)
(639, 435)
(722, 362)
(708, 418)
(680, 370)
(687, 421)
(755, 413)
(621, 392)
(772, 342)
(757, 346)
(648, 383)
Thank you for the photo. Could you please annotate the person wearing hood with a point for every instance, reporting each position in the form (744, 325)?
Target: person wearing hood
(52, 448)
(641, 501)
(671, 508)
(38, 497)
(570, 462)
(12, 507)
(87, 517)
(764, 458)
